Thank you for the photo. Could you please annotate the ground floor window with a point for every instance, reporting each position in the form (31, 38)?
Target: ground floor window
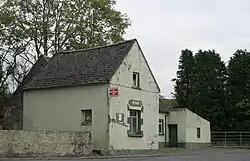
(198, 132)
(161, 126)
(135, 122)
(86, 117)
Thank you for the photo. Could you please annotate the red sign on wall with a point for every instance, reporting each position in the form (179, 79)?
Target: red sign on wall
(113, 92)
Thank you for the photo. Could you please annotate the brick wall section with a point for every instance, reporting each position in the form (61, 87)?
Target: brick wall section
(15, 143)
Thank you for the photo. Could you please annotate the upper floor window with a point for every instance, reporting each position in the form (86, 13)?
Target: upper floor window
(136, 80)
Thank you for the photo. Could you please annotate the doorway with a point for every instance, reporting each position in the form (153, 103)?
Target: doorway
(173, 135)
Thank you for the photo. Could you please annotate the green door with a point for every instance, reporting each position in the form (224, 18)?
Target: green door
(173, 139)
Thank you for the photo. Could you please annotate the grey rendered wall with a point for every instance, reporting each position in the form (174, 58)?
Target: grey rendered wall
(13, 108)
(193, 122)
(60, 109)
(187, 123)
(162, 137)
(148, 94)
(44, 143)
(179, 117)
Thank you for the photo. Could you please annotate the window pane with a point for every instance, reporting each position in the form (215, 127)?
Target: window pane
(198, 132)
(88, 115)
(159, 128)
(135, 79)
(132, 112)
(135, 120)
(134, 124)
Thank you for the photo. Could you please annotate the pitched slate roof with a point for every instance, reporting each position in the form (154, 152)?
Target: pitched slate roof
(163, 108)
(170, 102)
(40, 63)
(91, 66)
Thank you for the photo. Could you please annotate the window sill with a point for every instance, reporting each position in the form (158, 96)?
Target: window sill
(161, 134)
(139, 88)
(133, 134)
(85, 123)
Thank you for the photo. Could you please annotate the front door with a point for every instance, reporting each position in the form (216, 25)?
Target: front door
(173, 137)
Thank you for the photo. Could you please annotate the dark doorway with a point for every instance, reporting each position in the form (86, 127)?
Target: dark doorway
(173, 137)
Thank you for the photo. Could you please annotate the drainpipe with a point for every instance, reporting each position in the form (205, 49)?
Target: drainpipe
(165, 130)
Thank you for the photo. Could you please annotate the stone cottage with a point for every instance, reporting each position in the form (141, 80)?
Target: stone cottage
(109, 90)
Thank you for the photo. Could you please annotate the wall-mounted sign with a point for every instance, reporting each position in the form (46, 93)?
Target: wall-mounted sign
(113, 92)
(119, 117)
(137, 103)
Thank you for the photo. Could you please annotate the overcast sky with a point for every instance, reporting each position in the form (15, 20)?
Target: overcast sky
(165, 27)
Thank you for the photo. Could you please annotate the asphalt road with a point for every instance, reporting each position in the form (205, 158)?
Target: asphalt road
(228, 156)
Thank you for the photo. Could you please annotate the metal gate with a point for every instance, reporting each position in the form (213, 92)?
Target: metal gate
(231, 138)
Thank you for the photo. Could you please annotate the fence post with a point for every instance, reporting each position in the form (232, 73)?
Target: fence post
(240, 139)
(225, 138)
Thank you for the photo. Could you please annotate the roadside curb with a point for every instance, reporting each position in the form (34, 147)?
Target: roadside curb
(90, 157)
(44, 158)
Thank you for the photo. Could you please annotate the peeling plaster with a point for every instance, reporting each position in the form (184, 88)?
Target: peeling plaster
(44, 143)
(119, 123)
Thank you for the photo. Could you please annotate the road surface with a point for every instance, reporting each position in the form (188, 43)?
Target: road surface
(214, 156)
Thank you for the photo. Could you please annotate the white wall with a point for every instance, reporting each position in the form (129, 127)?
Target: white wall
(162, 137)
(187, 123)
(179, 117)
(149, 95)
(194, 121)
(60, 109)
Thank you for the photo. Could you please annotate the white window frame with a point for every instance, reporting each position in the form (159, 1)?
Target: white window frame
(161, 126)
(136, 81)
(136, 118)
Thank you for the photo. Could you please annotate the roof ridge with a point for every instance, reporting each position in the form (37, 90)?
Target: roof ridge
(97, 71)
(93, 48)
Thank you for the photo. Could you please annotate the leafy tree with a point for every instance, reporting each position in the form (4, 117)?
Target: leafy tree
(183, 82)
(238, 90)
(32, 28)
(4, 93)
(243, 114)
(200, 85)
(208, 86)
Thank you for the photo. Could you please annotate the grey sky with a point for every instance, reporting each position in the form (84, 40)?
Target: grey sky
(165, 27)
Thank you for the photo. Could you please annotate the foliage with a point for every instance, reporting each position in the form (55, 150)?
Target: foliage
(238, 90)
(200, 85)
(29, 29)
(183, 82)
(208, 87)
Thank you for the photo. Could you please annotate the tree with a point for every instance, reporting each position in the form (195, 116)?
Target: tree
(208, 85)
(238, 90)
(4, 93)
(43, 27)
(183, 82)
(200, 85)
